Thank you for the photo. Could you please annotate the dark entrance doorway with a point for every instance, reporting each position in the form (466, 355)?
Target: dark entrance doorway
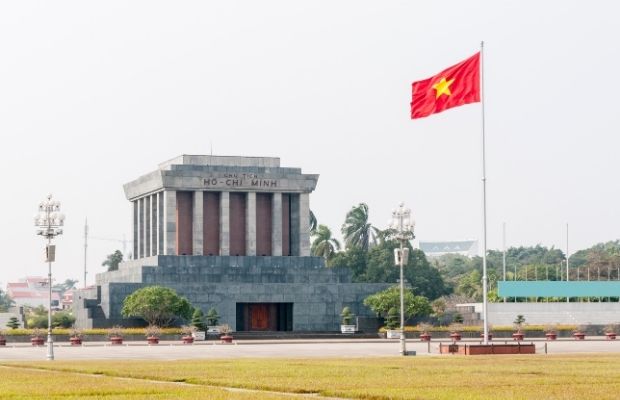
(264, 316)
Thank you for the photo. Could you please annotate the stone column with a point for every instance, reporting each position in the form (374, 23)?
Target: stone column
(136, 229)
(250, 224)
(146, 203)
(161, 224)
(294, 221)
(170, 222)
(197, 224)
(225, 224)
(153, 238)
(140, 228)
(276, 224)
(304, 224)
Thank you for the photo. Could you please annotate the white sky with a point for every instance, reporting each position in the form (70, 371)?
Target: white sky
(94, 94)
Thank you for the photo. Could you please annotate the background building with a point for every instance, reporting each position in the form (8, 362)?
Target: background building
(468, 248)
(32, 291)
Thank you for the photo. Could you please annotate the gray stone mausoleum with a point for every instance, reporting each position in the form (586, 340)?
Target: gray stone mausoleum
(230, 233)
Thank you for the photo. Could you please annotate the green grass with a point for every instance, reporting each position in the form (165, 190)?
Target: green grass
(539, 377)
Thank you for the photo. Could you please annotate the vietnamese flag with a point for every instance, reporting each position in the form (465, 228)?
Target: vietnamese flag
(452, 87)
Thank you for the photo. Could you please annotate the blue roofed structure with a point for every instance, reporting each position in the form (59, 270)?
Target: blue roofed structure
(468, 248)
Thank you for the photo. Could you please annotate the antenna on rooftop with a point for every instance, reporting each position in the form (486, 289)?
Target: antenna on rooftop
(85, 248)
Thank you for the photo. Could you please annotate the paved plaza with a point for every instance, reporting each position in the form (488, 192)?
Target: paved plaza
(274, 349)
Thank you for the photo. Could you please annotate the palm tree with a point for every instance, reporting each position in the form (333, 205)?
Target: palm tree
(357, 231)
(313, 223)
(324, 245)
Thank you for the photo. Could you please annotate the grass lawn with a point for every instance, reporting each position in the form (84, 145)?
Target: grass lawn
(539, 377)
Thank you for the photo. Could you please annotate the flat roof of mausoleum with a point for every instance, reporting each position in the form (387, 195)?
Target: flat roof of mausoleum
(221, 173)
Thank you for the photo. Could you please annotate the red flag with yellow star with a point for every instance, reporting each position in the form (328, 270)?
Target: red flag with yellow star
(452, 87)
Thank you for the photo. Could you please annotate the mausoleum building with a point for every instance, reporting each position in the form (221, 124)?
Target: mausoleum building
(230, 233)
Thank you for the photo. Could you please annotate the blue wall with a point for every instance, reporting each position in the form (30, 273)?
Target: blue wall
(559, 289)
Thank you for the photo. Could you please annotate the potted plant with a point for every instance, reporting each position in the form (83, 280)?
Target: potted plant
(610, 331)
(198, 322)
(75, 336)
(188, 334)
(115, 334)
(2, 338)
(347, 317)
(551, 332)
(425, 329)
(580, 332)
(391, 323)
(455, 331)
(518, 323)
(37, 337)
(226, 336)
(212, 317)
(152, 333)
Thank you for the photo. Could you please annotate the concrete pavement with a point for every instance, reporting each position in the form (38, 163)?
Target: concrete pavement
(272, 349)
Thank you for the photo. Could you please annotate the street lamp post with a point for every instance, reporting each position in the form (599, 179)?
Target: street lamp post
(49, 221)
(403, 226)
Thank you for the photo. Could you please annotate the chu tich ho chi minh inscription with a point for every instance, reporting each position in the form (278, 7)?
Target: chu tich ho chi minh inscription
(240, 181)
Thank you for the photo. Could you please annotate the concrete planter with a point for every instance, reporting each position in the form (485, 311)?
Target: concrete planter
(2, 341)
(425, 337)
(75, 341)
(37, 341)
(482, 349)
(116, 340)
(610, 335)
(551, 335)
(392, 334)
(187, 339)
(152, 340)
(347, 328)
(226, 339)
(579, 335)
(518, 336)
(455, 336)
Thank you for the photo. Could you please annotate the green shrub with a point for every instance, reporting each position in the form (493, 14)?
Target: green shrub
(198, 320)
(212, 317)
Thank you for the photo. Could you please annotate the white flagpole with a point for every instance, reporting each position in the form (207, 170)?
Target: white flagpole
(484, 207)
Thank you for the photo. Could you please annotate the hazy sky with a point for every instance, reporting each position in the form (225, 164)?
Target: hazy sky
(95, 94)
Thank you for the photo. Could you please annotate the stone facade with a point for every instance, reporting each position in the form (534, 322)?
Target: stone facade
(317, 293)
(230, 233)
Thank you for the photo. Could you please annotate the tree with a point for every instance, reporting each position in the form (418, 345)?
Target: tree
(157, 305)
(382, 302)
(354, 259)
(313, 223)
(198, 320)
(212, 317)
(68, 284)
(324, 245)
(62, 319)
(420, 275)
(471, 285)
(392, 320)
(37, 317)
(112, 260)
(5, 301)
(13, 323)
(357, 231)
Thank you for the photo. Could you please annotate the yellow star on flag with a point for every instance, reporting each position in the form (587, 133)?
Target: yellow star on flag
(442, 87)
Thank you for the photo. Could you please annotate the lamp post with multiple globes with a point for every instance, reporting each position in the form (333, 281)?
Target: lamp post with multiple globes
(49, 222)
(402, 225)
